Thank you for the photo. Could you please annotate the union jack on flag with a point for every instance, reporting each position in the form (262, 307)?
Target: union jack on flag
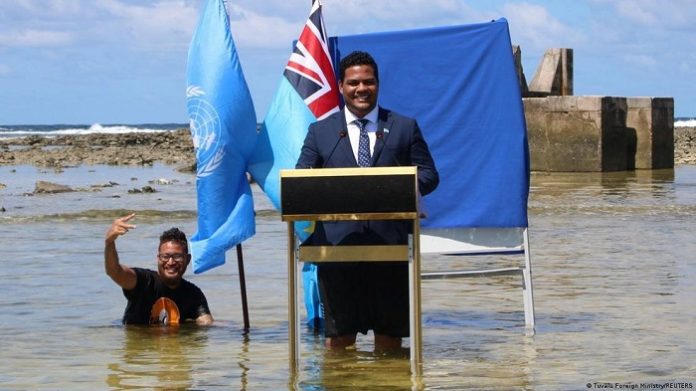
(310, 70)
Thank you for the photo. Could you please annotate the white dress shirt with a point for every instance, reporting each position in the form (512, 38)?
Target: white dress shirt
(354, 130)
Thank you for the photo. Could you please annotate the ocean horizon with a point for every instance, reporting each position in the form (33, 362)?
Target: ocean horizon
(10, 131)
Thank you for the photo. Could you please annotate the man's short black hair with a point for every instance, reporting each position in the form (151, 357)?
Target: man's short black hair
(358, 58)
(174, 235)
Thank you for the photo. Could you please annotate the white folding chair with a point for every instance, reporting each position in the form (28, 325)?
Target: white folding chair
(475, 241)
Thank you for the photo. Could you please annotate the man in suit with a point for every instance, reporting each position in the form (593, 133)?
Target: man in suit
(362, 296)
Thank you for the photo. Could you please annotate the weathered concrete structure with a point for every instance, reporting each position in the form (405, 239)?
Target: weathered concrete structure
(578, 133)
(652, 119)
(554, 75)
(591, 133)
(517, 55)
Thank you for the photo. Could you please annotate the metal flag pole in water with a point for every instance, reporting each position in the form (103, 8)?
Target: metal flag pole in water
(242, 288)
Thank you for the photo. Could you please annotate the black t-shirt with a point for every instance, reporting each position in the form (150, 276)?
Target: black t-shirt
(189, 299)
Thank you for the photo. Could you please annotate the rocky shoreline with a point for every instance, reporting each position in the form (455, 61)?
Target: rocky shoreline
(685, 145)
(171, 148)
(128, 149)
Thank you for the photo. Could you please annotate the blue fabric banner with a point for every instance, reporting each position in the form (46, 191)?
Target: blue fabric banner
(460, 84)
(223, 127)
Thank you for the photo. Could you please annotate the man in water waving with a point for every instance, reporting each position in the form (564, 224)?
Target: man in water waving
(161, 297)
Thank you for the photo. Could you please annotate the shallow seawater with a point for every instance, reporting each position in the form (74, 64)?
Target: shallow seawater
(614, 269)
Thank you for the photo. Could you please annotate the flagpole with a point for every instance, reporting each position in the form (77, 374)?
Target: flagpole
(242, 288)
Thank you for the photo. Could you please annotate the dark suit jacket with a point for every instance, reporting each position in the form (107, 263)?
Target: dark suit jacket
(399, 143)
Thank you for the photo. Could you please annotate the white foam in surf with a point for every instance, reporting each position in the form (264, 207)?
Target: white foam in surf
(93, 129)
(98, 128)
(687, 123)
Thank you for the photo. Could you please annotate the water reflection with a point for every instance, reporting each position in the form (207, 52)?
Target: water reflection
(614, 266)
(468, 357)
(244, 362)
(629, 194)
(156, 357)
(458, 356)
(357, 368)
(604, 183)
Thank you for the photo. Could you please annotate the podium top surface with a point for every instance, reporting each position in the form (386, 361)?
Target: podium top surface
(366, 193)
(348, 171)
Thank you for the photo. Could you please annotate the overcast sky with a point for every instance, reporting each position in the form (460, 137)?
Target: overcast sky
(124, 61)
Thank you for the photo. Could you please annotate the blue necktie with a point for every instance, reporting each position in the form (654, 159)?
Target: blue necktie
(363, 144)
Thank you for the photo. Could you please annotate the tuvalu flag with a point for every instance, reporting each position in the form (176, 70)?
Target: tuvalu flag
(308, 92)
(223, 127)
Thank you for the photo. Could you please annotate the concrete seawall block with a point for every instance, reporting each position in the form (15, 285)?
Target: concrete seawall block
(652, 120)
(578, 133)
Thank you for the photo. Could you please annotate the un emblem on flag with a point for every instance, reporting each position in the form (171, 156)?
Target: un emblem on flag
(205, 131)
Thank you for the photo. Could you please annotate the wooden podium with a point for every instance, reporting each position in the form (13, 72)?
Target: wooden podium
(335, 194)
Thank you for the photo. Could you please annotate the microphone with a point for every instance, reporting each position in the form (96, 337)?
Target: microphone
(341, 135)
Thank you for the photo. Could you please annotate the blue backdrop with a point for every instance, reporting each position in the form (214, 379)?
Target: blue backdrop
(461, 85)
